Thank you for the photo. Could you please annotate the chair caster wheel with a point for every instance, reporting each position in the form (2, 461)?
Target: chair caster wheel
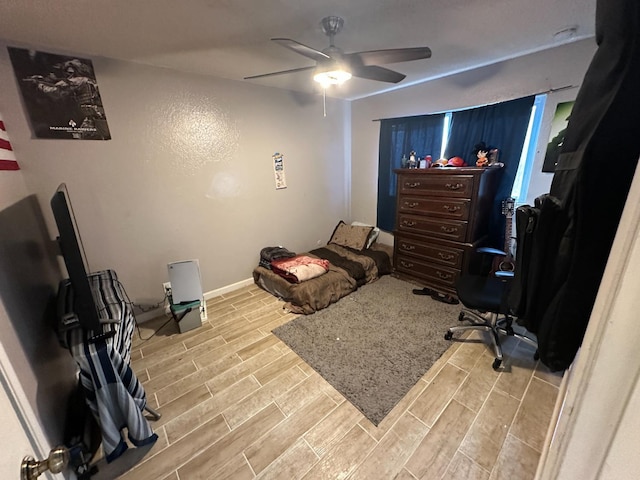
(496, 363)
(448, 335)
(536, 356)
(461, 317)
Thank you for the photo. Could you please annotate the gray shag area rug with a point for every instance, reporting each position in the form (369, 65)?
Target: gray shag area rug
(375, 344)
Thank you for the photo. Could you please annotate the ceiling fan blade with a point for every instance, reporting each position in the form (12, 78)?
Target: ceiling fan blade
(392, 55)
(301, 49)
(381, 74)
(294, 70)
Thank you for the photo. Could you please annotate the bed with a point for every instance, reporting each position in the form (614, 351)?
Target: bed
(353, 258)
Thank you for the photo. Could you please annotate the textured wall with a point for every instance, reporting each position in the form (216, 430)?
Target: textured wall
(515, 78)
(188, 173)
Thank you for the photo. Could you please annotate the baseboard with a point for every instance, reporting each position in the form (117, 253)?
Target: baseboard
(229, 288)
(158, 312)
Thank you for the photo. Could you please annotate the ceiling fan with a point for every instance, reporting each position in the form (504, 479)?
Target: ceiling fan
(333, 66)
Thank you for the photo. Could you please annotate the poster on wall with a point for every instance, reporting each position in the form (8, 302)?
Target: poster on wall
(556, 137)
(7, 157)
(60, 94)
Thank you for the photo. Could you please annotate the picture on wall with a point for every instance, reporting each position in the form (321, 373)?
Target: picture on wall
(556, 137)
(60, 94)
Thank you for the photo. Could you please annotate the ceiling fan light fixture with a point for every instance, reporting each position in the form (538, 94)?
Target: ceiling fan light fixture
(334, 72)
(332, 77)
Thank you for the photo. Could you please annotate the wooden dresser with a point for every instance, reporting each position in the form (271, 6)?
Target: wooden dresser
(441, 215)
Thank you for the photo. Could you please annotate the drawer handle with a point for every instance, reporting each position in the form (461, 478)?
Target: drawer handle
(412, 185)
(404, 246)
(454, 186)
(411, 205)
(409, 223)
(443, 276)
(406, 264)
(446, 256)
(451, 208)
(446, 229)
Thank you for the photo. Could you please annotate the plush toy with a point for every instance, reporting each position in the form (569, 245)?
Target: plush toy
(482, 160)
(481, 152)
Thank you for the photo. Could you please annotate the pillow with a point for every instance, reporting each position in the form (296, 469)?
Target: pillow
(373, 236)
(351, 236)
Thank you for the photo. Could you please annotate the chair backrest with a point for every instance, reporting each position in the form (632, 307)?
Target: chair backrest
(534, 234)
(526, 222)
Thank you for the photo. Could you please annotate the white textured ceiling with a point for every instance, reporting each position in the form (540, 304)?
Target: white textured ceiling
(230, 38)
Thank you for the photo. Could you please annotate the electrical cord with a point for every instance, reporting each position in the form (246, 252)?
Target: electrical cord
(148, 308)
(143, 340)
(157, 305)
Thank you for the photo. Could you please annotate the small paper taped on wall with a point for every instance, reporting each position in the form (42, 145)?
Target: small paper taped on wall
(278, 171)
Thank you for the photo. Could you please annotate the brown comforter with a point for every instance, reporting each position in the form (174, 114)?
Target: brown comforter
(348, 269)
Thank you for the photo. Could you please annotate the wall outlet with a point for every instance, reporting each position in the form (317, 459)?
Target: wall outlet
(166, 286)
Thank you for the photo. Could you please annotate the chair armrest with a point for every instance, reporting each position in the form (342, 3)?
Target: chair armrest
(504, 274)
(491, 251)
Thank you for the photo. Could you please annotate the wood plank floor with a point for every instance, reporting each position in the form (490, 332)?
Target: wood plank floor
(237, 403)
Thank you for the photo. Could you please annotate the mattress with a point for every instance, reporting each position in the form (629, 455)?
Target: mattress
(348, 270)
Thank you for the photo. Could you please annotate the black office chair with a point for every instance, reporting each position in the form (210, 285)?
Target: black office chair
(484, 295)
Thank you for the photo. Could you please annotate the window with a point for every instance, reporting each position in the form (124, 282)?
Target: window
(510, 126)
(525, 166)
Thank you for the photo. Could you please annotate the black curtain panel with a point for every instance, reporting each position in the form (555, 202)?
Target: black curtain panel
(503, 126)
(399, 136)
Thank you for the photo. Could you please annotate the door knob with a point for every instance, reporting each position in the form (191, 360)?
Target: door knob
(57, 461)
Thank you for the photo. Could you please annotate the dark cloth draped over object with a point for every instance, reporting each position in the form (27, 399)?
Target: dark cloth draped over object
(534, 234)
(503, 126)
(398, 136)
(381, 259)
(267, 254)
(354, 269)
(589, 188)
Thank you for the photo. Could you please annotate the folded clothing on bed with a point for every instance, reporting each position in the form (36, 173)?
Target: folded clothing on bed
(299, 268)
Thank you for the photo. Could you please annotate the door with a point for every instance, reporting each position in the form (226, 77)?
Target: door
(22, 434)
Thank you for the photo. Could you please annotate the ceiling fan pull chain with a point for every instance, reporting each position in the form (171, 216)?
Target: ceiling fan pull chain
(324, 101)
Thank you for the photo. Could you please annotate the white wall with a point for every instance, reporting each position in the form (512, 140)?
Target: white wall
(36, 375)
(188, 173)
(535, 73)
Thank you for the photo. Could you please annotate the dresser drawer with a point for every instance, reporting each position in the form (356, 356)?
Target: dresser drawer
(460, 186)
(431, 252)
(457, 208)
(435, 227)
(431, 272)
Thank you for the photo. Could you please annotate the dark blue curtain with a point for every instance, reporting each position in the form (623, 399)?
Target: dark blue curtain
(398, 136)
(503, 126)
